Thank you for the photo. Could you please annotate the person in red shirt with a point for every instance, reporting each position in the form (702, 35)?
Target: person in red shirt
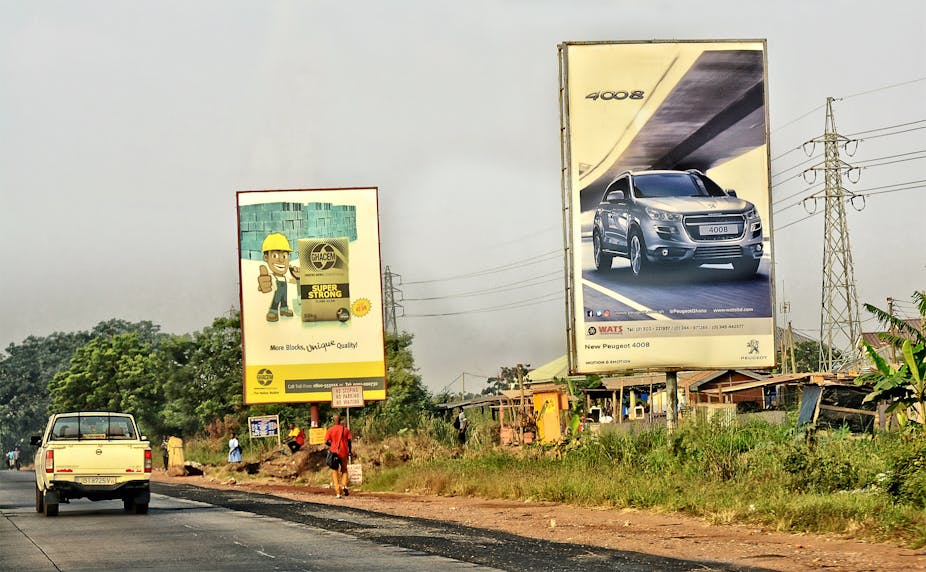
(338, 439)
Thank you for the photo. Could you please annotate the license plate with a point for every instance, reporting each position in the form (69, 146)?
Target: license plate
(97, 480)
(716, 229)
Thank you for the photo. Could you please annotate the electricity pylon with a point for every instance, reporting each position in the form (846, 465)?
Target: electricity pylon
(390, 301)
(840, 327)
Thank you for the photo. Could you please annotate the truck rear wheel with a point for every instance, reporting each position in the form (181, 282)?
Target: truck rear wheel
(141, 508)
(39, 500)
(128, 504)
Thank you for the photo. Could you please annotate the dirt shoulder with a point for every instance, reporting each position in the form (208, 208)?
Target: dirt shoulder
(669, 535)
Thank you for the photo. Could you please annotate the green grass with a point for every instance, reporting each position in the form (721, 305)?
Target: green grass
(758, 474)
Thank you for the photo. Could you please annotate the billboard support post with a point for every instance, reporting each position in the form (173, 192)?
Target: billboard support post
(671, 401)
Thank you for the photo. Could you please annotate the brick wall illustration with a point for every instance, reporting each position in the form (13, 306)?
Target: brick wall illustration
(295, 220)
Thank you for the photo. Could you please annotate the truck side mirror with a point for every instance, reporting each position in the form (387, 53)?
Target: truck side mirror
(731, 192)
(35, 440)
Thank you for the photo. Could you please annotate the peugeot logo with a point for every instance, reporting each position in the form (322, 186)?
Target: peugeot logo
(99, 451)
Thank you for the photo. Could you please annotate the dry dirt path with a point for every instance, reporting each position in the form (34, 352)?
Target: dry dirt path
(670, 535)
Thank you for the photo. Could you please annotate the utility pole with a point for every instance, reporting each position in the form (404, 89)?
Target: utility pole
(671, 401)
(782, 346)
(840, 326)
(391, 301)
(890, 312)
(522, 415)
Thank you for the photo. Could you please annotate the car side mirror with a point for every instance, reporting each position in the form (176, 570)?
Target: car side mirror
(731, 192)
(615, 196)
(35, 440)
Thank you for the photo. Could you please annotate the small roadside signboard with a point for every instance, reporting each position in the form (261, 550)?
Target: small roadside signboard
(265, 426)
(347, 396)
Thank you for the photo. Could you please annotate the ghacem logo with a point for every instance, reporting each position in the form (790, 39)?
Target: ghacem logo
(265, 377)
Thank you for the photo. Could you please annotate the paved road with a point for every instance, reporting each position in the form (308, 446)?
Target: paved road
(191, 528)
(710, 286)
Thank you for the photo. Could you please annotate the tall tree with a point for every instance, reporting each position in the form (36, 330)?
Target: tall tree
(202, 376)
(406, 397)
(507, 378)
(110, 374)
(25, 372)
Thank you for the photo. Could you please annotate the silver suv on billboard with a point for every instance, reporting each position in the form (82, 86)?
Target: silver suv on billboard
(679, 218)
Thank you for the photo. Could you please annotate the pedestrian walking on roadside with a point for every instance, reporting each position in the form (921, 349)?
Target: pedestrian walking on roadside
(339, 442)
(460, 424)
(234, 450)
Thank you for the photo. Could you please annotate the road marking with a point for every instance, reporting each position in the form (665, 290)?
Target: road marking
(624, 300)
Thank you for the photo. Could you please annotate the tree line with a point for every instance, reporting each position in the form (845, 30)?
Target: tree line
(187, 385)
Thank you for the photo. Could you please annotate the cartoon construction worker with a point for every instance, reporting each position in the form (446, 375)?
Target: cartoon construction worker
(276, 251)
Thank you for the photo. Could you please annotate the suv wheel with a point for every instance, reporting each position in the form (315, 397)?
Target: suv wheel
(637, 254)
(602, 260)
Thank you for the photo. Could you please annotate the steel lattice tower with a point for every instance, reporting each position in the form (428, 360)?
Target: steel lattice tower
(390, 303)
(840, 327)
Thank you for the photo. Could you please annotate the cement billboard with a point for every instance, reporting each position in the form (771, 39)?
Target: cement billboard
(311, 294)
(666, 200)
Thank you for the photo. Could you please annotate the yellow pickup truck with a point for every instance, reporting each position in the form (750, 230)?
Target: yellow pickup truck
(94, 455)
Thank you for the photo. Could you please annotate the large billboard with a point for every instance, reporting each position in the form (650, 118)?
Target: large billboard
(311, 294)
(666, 201)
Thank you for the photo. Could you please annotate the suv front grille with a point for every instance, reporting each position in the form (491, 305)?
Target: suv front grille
(697, 226)
(715, 252)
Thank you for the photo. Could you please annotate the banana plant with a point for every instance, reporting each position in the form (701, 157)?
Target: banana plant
(904, 386)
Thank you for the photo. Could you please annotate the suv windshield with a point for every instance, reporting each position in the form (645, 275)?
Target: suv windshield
(675, 185)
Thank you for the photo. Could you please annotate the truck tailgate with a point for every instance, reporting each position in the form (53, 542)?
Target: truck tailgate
(99, 458)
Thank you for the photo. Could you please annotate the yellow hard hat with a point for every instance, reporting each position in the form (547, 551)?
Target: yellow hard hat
(275, 241)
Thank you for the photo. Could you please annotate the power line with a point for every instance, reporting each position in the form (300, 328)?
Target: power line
(892, 162)
(870, 191)
(888, 127)
(493, 270)
(808, 160)
(526, 283)
(553, 296)
(878, 89)
(894, 156)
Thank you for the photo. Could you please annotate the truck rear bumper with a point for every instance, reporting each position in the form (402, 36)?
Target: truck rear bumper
(73, 490)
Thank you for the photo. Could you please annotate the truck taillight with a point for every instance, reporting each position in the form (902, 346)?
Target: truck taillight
(147, 460)
(50, 461)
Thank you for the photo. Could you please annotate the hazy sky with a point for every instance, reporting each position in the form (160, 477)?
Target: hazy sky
(127, 127)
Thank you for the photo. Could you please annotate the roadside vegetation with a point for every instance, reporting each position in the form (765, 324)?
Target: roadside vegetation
(778, 477)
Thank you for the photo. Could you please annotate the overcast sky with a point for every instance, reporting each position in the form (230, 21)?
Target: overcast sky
(127, 127)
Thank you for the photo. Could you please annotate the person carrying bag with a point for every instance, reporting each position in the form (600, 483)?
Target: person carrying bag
(339, 441)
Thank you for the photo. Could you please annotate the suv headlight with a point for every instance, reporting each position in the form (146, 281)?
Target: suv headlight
(657, 214)
(752, 214)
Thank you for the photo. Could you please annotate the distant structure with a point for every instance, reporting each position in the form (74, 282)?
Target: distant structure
(840, 327)
(392, 296)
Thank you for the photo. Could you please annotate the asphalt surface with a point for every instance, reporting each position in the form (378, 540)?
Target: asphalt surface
(478, 547)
